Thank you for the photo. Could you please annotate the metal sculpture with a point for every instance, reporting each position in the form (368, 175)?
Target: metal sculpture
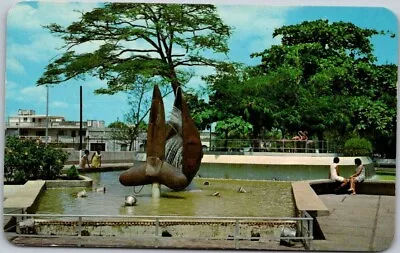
(173, 150)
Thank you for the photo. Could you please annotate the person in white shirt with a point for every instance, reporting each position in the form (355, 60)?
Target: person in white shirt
(335, 174)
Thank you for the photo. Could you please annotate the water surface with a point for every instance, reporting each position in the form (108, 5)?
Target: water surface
(263, 198)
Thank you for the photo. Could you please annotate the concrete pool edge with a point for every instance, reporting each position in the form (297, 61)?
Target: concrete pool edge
(306, 193)
(83, 181)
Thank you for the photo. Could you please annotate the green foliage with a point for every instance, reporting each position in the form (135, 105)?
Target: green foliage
(233, 128)
(323, 78)
(29, 160)
(72, 173)
(139, 39)
(357, 147)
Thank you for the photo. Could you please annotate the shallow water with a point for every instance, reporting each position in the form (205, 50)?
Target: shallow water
(263, 198)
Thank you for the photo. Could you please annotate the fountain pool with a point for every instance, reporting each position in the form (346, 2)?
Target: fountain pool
(262, 198)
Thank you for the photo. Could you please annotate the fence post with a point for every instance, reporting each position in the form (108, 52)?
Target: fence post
(237, 233)
(80, 226)
(311, 233)
(157, 227)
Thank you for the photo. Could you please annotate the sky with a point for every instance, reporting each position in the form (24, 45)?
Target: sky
(30, 47)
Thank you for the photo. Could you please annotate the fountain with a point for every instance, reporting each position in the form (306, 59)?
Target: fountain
(174, 150)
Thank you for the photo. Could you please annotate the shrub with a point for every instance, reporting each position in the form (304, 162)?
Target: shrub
(26, 159)
(72, 173)
(357, 147)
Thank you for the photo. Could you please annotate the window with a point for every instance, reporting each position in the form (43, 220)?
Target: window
(61, 133)
(40, 133)
(25, 119)
(98, 146)
(124, 147)
(23, 132)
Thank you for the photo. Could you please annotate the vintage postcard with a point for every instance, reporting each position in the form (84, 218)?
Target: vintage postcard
(146, 125)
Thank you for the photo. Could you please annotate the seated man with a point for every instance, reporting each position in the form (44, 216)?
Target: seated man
(335, 174)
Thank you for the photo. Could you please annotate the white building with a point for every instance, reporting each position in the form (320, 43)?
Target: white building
(95, 136)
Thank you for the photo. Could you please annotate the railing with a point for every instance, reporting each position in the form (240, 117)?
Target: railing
(304, 224)
(34, 137)
(43, 124)
(264, 145)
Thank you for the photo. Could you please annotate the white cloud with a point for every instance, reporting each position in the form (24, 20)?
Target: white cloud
(10, 89)
(37, 44)
(35, 94)
(14, 65)
(253, 25)
(59, 104)
(95, 83)
(26, 16)
(38, 48)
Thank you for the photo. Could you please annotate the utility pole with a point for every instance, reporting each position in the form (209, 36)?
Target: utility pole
(80, 124)
(80, 118)
(47, 114)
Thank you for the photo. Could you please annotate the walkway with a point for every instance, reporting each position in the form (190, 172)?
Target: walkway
(357, 223)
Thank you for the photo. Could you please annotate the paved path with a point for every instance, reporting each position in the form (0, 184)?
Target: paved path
(357, 223)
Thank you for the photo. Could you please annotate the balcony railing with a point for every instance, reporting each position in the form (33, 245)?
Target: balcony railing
(43, 124)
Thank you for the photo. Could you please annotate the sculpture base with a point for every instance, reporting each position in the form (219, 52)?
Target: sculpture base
(155, 190)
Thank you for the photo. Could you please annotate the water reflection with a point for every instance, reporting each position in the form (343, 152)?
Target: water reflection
(261, 199)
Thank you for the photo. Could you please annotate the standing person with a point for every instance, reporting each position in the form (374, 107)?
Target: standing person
(84, 160)
(358, 176)
(96, 159)
(335, 174)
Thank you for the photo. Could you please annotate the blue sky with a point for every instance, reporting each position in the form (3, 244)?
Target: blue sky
(29, 48)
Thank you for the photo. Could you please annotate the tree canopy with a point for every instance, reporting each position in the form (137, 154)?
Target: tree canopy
(323, 78)
(153, 40)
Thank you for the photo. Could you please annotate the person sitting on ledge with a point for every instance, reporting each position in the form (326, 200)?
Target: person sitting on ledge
(84, 160)
(358, 176)
(335, 174)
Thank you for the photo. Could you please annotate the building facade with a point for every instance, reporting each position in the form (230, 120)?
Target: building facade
(95, 136)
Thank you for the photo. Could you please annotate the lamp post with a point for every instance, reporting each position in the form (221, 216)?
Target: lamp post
(47, 114)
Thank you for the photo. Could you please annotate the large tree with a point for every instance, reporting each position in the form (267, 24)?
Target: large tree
(323, 78)
(338, 84)
(154, 40)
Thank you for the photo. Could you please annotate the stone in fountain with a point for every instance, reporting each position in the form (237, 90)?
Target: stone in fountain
(130, 201)
(173, 152)
(241, 190)
(81, 194)
(100, 189)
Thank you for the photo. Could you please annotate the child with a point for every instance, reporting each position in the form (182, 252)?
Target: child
(84, 160)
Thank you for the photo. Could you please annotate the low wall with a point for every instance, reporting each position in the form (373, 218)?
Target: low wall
(176, 228)
(369, 187)
(26, 197)
(62, 183)
(106, 157)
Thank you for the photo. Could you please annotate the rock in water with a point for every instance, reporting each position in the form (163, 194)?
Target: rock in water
(130, 201)
(81, 194)
(216, 194)
(241, 190)
(101, 189)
